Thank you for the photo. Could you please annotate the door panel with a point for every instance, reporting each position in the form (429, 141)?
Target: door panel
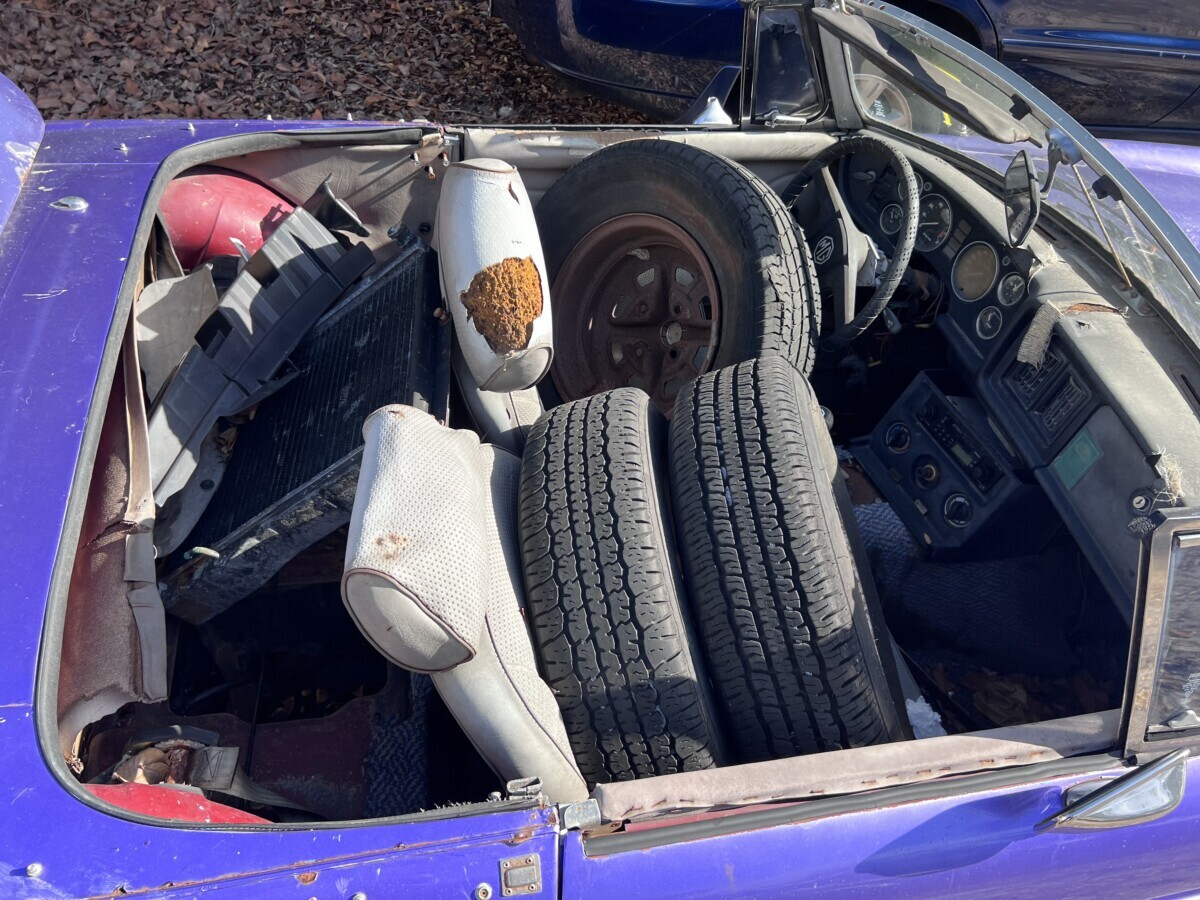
(966, 846)
(1106, 62)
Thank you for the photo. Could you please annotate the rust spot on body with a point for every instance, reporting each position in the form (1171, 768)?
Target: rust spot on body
(306, 877)
(522, 835)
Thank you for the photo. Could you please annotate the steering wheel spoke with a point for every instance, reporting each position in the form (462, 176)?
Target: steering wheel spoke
(839, 248)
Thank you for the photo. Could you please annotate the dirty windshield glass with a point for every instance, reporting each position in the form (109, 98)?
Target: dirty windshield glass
(886, 100)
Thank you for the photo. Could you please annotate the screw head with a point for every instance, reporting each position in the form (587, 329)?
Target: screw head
(358, 895)
(483, 891)
(1140, 502)
(34, 870)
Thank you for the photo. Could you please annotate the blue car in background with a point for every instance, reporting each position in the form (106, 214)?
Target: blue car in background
(1117, 66)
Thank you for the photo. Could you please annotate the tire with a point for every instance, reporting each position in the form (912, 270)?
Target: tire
(767, 299)
(777, 598)
(604, 594)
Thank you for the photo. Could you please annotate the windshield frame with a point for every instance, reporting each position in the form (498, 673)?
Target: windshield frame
(1138, 200)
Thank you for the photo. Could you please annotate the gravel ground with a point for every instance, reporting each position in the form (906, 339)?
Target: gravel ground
(309, 59)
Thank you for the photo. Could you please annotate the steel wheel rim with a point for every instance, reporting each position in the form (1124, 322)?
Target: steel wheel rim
(635, 305)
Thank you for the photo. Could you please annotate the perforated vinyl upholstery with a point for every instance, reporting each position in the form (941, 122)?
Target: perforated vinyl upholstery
(415, 579)
(514, 719)
(433, 580)
(503, 419)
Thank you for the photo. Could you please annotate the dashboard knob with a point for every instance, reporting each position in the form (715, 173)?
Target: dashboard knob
(897, 437)
(958, 511)
(926, 472)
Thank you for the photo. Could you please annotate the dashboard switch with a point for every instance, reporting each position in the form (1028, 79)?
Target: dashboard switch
(926, 473)
(898, 437)
(958, 511)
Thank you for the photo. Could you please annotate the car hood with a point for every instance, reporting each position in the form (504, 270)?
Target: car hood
(21, 130)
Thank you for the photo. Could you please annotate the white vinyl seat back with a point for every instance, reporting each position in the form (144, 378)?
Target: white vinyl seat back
(415, 580)
(514, 718)
(485, 218)
(433, 580)
(503, 419)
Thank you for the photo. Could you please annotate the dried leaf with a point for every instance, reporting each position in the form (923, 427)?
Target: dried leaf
(93, 58)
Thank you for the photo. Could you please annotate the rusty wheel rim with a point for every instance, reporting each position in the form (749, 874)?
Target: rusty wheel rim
(635, 305)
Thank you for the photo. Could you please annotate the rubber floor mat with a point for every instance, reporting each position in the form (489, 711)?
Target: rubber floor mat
(1010, 615)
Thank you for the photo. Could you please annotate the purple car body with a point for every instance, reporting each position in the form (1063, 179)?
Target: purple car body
(63, 267)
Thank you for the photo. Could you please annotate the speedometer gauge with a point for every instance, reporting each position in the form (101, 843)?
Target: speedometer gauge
(1012, 289)
(974, 271)
(936, 219)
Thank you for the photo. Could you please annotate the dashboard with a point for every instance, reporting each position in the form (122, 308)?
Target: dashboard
(987, 458)
(986, 281)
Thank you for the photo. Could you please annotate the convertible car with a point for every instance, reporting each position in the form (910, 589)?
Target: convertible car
(800, 503)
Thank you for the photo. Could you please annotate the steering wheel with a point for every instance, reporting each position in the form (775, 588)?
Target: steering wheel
(839, 247)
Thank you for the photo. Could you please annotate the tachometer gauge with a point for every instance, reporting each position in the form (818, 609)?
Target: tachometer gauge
(936, 219)
(989, 322)
(1012, 289)
(974, 272)
(891, 218)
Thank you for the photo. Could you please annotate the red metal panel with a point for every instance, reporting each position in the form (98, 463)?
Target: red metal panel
(164, 802)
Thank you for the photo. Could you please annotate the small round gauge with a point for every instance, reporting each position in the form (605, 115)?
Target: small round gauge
(974, 272)
(935, 221)
(1012, 289)
(989, 322)
(891, 219)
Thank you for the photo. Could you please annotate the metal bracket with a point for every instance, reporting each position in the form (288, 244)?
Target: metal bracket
(521, 875)
(524, 788)
(580, 815)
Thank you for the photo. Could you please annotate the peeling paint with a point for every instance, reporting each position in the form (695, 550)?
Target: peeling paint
(22, 155)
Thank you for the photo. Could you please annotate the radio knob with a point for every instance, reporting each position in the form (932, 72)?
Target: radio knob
(897, 437)
(957, 511)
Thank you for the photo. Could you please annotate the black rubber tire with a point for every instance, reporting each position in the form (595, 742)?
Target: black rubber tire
(769, 300)
(773, 584)
(604, 593)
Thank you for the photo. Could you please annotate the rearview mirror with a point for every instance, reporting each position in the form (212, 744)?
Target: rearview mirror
(1022, 199)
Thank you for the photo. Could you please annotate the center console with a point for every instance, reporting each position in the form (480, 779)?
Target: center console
(935, 458)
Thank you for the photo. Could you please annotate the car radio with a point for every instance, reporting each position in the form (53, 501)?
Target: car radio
(935, 458)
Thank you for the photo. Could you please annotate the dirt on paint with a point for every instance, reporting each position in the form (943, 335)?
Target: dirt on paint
(503, 301)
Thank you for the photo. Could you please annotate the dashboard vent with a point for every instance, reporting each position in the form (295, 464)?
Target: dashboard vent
(1062, 406)
(1026, 381)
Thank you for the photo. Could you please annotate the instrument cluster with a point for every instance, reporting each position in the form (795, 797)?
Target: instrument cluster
(986, 283)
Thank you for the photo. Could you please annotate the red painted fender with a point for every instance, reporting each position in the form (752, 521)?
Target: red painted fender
(205, 207)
